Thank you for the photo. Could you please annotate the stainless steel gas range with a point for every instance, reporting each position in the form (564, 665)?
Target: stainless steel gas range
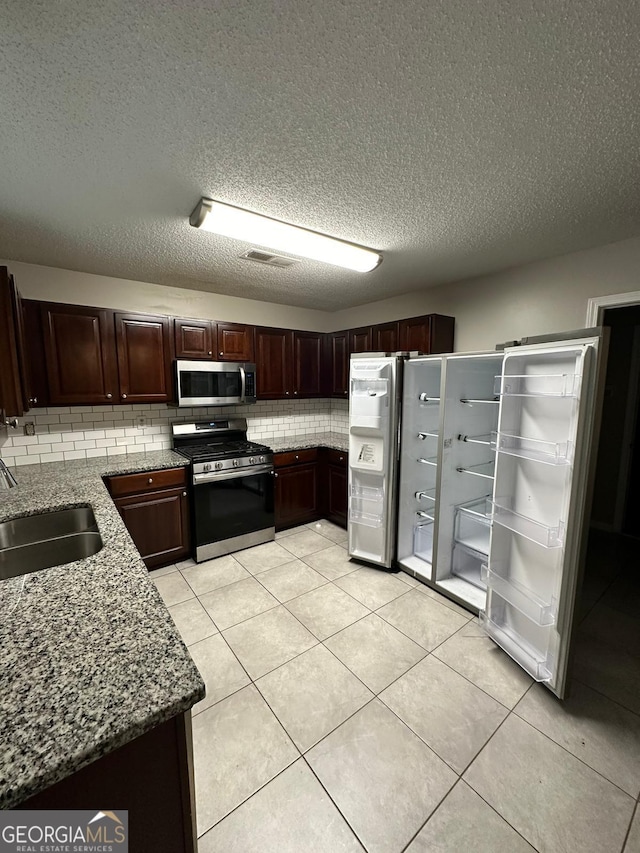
(232, 485)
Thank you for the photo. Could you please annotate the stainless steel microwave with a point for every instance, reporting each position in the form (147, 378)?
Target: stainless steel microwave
(214, 383)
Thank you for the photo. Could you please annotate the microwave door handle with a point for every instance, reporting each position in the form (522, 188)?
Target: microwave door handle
(243, 382)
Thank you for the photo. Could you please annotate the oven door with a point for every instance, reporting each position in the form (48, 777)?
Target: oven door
(232, 511)
(209, 383)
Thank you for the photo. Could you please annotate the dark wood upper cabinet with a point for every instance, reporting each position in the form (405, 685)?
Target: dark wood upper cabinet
(80, 354)
(35, 360)
(144, 349)
(307, 364)
(429, 334)
(194, 338)
(384, 337)
(360, 340)
(273, 363)
(12, 397)
(235, 342)
(338, 364)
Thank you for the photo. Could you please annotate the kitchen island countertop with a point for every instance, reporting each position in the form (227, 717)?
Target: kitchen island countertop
(91, 658)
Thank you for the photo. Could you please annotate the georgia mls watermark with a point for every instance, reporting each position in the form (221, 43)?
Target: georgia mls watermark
(64, 831)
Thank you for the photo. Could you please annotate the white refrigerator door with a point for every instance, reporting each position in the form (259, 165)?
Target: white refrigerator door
(373, 444)
(548, 397)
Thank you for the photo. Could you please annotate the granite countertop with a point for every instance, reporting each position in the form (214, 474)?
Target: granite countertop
(91, 658)
(332, 440)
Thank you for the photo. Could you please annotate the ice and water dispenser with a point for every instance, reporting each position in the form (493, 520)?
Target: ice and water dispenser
(372, 449)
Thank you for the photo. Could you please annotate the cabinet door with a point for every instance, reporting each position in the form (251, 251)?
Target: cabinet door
(339, 364)
(194, 338)
(385, 337)
(80, 353)
(429, 334)
(307, 364)
(235, 342)
(144, 358)
(337, 494)
(296, 495)
(274, 363)
(35, 371)
(360, 340)
(158, 523)
(12, 401)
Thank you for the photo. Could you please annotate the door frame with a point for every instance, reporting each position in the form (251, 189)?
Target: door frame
(596, 306)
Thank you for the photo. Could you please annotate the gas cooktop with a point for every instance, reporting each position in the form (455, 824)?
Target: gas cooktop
(222, 450)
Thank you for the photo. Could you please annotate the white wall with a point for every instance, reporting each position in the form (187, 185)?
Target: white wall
(539, 298)
(57, 285)
(546, 296)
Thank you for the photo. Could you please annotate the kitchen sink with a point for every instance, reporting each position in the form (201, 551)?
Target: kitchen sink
(36, 542)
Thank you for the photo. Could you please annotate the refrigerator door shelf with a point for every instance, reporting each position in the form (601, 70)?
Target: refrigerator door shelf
(523, 599)
(537, 664)
(469, 401)
(538, 385)
(426, 495)
(534, 531)
(547, 452)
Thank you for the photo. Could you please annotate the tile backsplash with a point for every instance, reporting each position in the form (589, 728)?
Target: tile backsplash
(81, 432)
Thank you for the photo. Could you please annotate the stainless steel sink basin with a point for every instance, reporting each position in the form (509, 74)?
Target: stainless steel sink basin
(36, 542)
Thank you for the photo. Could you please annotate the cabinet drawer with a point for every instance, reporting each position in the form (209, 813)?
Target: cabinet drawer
(148, 481)
(337, 457)
(292, 457)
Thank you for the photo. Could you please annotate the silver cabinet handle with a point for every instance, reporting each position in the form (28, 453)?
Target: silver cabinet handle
(297, 457)
(150, 480)
(341, 459)
(287, 393)
(295, 393)
(184, 494)
(275, 473)
(220, 354)
(124, 396)
(210, 353)
(109, 396)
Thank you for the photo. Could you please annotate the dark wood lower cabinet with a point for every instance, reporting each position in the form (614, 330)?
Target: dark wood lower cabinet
(335, 503)
(296, 488)
(310, 484)
(151, 777)
(157, 518)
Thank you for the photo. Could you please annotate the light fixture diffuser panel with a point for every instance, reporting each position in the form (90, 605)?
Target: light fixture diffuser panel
(230, 221)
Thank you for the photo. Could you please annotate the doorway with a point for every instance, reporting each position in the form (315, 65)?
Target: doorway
(607, 654)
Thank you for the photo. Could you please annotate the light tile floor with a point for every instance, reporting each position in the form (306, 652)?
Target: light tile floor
(348, 709)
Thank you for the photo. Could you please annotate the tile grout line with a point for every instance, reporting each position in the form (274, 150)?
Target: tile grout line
(635, 812)
(606, 696)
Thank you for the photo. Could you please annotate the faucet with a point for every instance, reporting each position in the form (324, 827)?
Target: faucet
(7, 480)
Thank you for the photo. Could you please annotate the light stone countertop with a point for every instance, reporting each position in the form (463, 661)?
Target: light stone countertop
(91, 658)
(333, 440)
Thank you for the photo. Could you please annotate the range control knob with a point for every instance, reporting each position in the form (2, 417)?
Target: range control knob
(236, 463)
(261, 459)
(252, 460)
(218, 466)
(207, 466)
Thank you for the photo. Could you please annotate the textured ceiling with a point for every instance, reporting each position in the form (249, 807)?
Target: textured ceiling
(457, 137)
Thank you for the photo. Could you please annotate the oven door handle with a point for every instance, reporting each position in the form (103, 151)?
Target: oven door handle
(213, 477)
(243, 382)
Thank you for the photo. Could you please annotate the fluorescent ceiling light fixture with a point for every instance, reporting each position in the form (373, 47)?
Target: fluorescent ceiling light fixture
(263, 231)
